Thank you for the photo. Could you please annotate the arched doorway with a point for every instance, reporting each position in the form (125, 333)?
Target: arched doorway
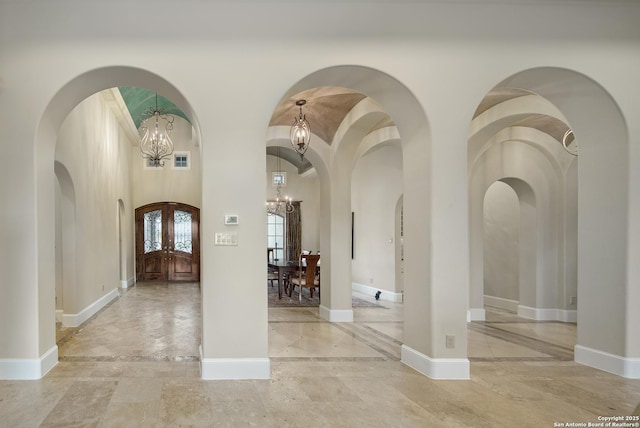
(501, 247)
(123, 254)
(95, 294)
(601, 214)
(167, 242)
(65, 243)
(423, 348)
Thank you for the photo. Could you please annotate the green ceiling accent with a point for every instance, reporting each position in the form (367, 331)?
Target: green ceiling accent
(290, 156)
(138, 100)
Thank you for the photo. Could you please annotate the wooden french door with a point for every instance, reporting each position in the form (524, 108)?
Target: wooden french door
(167, 242)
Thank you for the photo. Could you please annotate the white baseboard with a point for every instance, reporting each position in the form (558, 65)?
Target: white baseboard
(59, 314)
(550, 314)
(436, 368)
(621, 366)
(499, 302)
(235, 368)
(567, 315)
(538, 314)
(26, 368)
(389, 296)
(128, 283)
(476, 314)
(74, 320)
(336, 315)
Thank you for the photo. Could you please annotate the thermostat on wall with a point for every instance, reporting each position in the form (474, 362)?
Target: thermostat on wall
(231, 219)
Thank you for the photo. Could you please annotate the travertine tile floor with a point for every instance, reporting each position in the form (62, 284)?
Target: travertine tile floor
(135, 364)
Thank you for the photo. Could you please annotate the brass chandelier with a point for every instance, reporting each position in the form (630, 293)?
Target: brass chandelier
(300, 133)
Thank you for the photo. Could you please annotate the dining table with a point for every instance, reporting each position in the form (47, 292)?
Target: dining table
(283, 267)
(286, 266)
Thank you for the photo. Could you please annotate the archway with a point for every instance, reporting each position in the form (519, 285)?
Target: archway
(65, 243)
(376, 202)
(602, 214)
(123, 239)
(424, 347)
(60, 106)
(359, 126)
(529, 288)
(501, 247)
(534, 157)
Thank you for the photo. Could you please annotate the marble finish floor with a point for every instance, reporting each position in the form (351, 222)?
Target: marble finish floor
(135, 365)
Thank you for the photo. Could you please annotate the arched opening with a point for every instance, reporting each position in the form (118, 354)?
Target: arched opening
(376, 189)
(386, 98)
(65, 203)
(123, 239)
(501, 247)
(92, 164)
(530, 112)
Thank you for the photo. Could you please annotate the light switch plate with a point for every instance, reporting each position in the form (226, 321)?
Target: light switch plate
(226, 238)
(450, 341)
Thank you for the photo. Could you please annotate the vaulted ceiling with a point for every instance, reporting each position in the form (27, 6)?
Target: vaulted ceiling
(140, 100)
(325, 110)
(327, 107)
(547, 124)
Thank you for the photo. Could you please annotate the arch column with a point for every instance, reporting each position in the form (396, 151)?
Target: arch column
(436, 298)
(26, 352)
(336, 305)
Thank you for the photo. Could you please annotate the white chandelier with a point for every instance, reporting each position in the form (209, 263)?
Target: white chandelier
(156, 144)
(300, 133)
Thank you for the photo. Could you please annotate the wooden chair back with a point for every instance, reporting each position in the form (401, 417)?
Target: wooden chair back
(311, 261)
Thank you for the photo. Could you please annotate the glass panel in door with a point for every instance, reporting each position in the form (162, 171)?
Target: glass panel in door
(152, 231)
(182, 231)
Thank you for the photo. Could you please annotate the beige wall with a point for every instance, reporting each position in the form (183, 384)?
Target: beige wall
(95, 156)
(429, 75)
(501, 242)
(94, 212)
(376, 187)
(168, 184)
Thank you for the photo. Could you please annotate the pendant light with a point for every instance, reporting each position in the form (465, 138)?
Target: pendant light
(300, 133)
(156, 144)
(280, 205)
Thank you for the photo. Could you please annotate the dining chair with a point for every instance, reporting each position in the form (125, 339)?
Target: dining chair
(307, 276)
(272, 274)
